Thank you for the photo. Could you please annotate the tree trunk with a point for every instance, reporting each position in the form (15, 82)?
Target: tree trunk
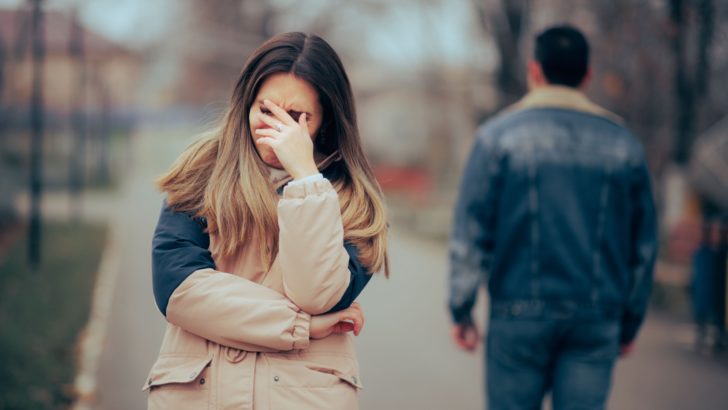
(690, 85)
(36, 126)
(507, 29)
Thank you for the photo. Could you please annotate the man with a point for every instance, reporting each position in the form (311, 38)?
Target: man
(556, 213)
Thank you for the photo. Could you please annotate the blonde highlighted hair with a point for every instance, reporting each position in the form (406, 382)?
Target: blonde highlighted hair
(222, 178)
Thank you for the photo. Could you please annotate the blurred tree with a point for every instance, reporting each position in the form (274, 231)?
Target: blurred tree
(36, 126)
(7, 212)
(631, 68)
(691, 76)
(507, 22)
(2, 78)
(651, 63)
(13, 46)
(77, 158)
(215, 43)
(103, 132)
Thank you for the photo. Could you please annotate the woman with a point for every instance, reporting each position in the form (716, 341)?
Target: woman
(258, 288)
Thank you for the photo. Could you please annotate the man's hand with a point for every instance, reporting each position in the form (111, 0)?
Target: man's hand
(626, 349)
(465, 336)
(347, 320)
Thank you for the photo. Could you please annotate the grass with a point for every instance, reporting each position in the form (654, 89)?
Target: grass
(42, 312)
(14, 158)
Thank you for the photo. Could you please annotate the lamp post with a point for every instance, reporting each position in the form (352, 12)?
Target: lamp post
(36, 129)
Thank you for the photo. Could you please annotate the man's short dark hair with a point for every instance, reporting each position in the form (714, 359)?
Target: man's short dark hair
(563, 54)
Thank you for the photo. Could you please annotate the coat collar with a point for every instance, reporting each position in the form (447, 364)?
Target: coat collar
(557, 96)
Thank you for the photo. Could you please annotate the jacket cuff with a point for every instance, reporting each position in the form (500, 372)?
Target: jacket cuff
(301, 330)
(629, 328)
(310, 178)
(461, 315)
(306, 188)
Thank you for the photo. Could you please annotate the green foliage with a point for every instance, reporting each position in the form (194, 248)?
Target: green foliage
(42, 312)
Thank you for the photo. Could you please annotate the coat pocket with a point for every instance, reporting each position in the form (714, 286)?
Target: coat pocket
(296, 384)
(180, 382)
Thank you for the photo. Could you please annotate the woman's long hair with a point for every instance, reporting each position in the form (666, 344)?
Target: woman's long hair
(221, 176)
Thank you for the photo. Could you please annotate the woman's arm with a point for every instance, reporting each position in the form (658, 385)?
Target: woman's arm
(266, 323)
(319, 274)
(239, 313)
(183, 279)
(358, 278)
(313, 263)
(179, 248)
(190, 293)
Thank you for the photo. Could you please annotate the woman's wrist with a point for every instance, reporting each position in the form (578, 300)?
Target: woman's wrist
(305, 171)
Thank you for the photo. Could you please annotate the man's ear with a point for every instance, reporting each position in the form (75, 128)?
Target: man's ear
(535, 74)
(587, 78)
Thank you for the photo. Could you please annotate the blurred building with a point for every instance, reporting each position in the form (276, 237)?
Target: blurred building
(416, 125)
(210, 51)
(90, 87)
(111, 69)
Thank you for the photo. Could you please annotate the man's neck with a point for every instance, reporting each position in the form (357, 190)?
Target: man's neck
(561, 96)
(546, 86)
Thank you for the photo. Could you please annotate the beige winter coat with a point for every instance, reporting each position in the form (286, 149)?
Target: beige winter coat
(237, 337)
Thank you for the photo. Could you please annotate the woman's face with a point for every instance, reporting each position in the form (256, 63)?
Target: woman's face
(294, 95)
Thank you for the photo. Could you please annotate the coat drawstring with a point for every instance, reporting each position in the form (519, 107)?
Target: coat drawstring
(234, 355)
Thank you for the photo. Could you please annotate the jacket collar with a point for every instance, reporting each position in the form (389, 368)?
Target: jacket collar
(557, 96)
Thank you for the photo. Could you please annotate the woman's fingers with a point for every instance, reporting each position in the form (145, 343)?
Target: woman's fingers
(271, 121)
(303, 123)
(355, 307)
(343, 327)
(350, 319)
(359, 323)
(358, 309)
(279, 113)
(357, 329)
(355, 315)
(358, 326)
(275, 123)
(266, 141)
(266, 132)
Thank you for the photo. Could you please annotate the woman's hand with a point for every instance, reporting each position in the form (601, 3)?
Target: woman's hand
(347, 320)
(290, 140)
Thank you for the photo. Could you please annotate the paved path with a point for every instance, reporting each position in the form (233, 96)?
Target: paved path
(407, 359)
(136, 327)
(666, 373)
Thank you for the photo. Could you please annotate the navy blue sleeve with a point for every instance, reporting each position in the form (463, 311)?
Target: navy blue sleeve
(179, 248)
(359, 279)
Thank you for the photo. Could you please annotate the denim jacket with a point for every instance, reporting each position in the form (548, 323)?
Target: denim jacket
(556, 214)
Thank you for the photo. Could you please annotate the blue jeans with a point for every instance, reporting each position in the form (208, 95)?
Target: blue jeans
(571, 358)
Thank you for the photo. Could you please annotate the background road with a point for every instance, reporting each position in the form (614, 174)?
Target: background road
(407, 359)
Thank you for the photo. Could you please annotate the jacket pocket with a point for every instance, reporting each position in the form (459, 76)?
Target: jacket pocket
(180, 382)
(296, 384)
